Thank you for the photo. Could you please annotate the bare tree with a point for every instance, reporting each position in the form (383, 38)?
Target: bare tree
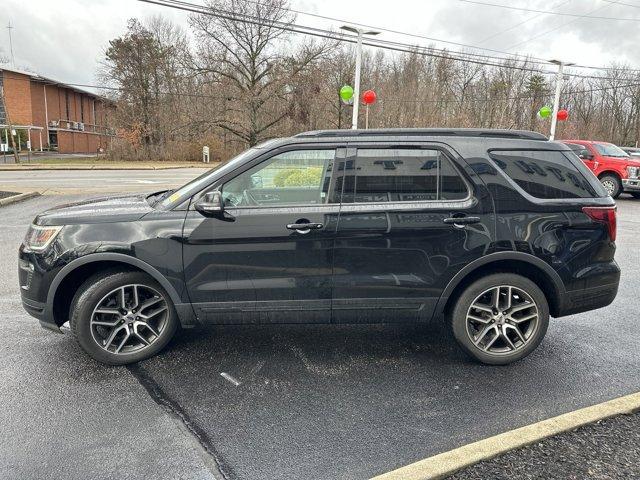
(241, 47)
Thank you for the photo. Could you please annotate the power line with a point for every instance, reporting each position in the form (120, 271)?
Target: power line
(497, 34)
(328, 34)
(379, 43)
(557, 28)
(550, 12)
(621, 3)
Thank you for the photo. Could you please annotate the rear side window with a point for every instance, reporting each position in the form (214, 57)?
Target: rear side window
(403, 175)
(545, 174)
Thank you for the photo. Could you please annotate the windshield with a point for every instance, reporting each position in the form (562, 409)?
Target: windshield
(610, 150)
(200, 182)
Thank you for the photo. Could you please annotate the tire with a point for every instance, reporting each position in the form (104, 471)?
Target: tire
(526, 298)
(612, 185)
(635, 194)
(148, 323)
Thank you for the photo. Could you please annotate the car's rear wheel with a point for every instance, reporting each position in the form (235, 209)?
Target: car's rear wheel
(121, 317)
(612, 185)
(500, 319)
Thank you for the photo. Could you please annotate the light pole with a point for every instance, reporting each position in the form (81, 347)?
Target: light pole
(556, 98)
(356, 89)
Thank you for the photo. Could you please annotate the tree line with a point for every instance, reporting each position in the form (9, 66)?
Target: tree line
(230, 84)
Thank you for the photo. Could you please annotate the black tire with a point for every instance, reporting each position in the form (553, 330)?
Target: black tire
(458, 317)
(611, 184)
(92, 292)
(635, 194)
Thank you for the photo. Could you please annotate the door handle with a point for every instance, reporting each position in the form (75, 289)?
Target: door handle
(304, 227)
(461, 220)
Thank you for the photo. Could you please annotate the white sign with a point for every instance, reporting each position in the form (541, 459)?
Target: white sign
(205, 154)
(13, 133)
(4, 147)
(28, 144)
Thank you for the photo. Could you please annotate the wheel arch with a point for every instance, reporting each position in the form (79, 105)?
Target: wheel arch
(610, 172)
(72, 275)
(519, 263)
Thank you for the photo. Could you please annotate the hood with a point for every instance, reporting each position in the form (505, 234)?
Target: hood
(97, 210)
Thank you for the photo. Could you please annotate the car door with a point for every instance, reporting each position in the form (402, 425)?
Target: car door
(269, 257)
(409, 221)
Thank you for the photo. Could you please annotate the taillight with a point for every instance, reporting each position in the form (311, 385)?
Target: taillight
(606, 215)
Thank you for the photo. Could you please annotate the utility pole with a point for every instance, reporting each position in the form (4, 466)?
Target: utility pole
(13, 60)
(556, 98)
(356, 88)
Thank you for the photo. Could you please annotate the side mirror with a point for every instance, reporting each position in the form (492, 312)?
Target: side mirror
(586, 155)
(211, 204)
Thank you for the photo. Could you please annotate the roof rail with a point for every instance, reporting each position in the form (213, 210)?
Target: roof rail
(430, 132)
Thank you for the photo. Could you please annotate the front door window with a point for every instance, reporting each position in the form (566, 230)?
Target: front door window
(298, 177)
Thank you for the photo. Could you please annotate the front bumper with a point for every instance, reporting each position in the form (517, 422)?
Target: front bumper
(38, 310)
(631, 184)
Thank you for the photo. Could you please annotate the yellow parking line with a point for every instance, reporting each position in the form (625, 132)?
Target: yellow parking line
(439, 466)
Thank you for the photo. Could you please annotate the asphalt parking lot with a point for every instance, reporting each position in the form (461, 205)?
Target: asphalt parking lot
(326, 402)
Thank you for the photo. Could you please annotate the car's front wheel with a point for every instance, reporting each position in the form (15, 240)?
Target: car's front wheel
(500, 318)
(121, 317)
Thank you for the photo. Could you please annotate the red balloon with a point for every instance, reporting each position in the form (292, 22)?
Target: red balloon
(369, 97)
(562, 115)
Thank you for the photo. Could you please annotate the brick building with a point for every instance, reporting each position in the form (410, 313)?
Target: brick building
(53, 116)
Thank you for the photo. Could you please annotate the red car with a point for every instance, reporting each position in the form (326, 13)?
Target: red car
(616, 169)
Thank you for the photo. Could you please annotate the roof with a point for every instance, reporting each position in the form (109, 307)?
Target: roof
(433, 132)
(49, 81)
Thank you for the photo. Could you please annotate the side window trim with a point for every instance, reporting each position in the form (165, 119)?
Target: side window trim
(352, 152)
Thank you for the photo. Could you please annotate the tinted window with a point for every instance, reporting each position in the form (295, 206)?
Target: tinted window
(299, 177)
(403, 175)
(546, 174)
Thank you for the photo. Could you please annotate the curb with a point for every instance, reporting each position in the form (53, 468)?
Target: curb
(94, 167)
(18, 198)
(445, 464)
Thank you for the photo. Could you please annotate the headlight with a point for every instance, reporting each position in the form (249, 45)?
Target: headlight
(633, 172)
(38, 238)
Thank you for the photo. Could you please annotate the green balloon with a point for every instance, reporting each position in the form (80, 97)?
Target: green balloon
(544, 112)
(346, 93)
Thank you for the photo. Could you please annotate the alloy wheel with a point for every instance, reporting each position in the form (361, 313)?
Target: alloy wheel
(129, 319)
(609, 186)
(502, 320)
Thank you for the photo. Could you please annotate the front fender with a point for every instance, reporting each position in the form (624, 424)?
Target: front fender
(184, 310)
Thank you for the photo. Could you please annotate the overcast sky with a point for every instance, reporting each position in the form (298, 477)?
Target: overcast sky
(65, 39)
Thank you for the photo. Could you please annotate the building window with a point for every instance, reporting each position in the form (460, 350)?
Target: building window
(3, 114)
(66, 98)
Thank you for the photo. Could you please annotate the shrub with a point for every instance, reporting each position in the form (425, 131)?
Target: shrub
(296, 177)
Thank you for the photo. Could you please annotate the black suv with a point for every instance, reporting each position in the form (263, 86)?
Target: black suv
(492, 230)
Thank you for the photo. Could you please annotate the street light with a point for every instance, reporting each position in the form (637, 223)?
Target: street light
(556, 98)
(356, 90)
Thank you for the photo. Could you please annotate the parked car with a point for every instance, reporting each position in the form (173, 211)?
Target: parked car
(617, 171)
(632, 151)
(492, 230)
